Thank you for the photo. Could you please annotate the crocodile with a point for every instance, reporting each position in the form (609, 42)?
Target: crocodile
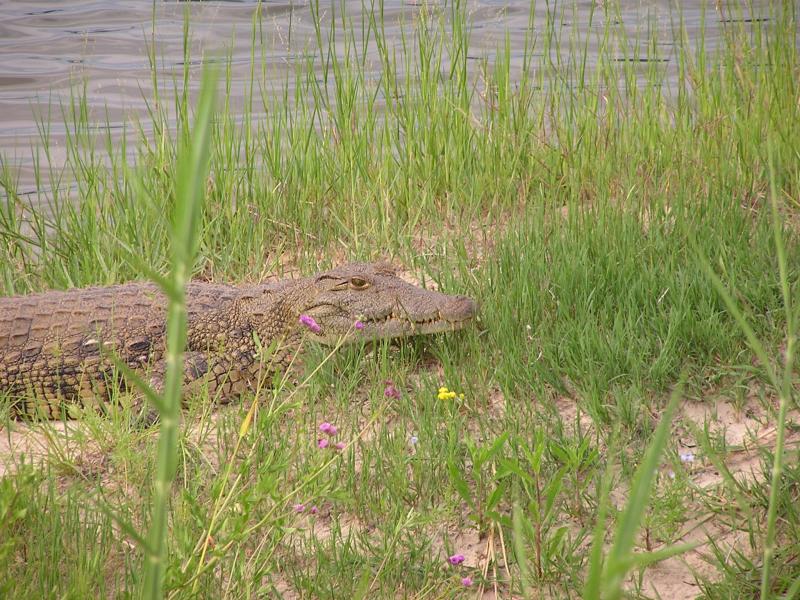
(58, 349)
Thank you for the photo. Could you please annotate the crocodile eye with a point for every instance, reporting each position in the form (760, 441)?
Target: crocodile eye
(358, 284)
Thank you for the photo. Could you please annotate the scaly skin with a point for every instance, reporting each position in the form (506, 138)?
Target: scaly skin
(55, 347)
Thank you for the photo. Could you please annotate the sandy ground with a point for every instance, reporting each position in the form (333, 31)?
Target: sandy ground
(746, 429)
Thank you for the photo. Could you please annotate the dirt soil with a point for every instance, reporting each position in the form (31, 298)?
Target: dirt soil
(746, 430)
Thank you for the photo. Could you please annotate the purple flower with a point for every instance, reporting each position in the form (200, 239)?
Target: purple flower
(313, 510)
(322, 443)
(466, 581)
(298, 508)
(456, 559)
(413, 440)
(687, 457)
(309, 322)
(390, 391)
(340, 445)
(358, 325)
(327, 428)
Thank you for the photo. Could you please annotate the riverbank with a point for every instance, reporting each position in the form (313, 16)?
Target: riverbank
(578, 203)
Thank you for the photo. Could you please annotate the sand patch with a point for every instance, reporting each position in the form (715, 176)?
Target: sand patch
(747, 429)
(38, 444)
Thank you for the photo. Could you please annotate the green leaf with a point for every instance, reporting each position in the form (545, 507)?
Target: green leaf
(362, 588)
(495, 448)
(559, 453)
(639, 560)
(593, 586)
(618, 560)
(497, 495)
(460, 483)
(552, 489)
(518, 542)
(509, 466)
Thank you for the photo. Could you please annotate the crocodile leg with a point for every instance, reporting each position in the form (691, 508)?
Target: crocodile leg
(223, 377)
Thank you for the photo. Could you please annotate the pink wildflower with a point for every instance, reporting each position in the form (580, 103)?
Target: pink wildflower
(456, 559)
(466, 581)
(390, 391)
(328, 428)
(358, 325)
(298, 508)
(340, 445)
(314, 510)
(322, 443)
(309, 322)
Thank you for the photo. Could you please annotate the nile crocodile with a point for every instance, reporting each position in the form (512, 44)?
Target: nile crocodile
(55, 347)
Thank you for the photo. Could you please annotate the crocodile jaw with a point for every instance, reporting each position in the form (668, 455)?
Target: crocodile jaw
(452, 316)
(386, 329)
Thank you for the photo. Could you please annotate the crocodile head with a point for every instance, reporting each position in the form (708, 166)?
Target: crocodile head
(383, 305)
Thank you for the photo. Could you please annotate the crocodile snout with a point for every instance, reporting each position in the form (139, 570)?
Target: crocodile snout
(459, 308)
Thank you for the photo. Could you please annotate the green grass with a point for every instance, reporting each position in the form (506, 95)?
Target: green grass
(577, 206)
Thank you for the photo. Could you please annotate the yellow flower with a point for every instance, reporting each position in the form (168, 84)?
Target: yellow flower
(445, 394)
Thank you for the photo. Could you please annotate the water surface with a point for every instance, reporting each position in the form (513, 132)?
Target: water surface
(52, 52)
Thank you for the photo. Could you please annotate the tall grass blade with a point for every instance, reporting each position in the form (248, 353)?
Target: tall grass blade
(593, 585)
(785, 389)
(189, 195)
(621, 557)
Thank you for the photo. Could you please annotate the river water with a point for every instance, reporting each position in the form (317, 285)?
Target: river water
(50, 50)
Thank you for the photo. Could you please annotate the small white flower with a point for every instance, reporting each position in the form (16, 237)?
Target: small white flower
(686, 457)
(413, 440)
